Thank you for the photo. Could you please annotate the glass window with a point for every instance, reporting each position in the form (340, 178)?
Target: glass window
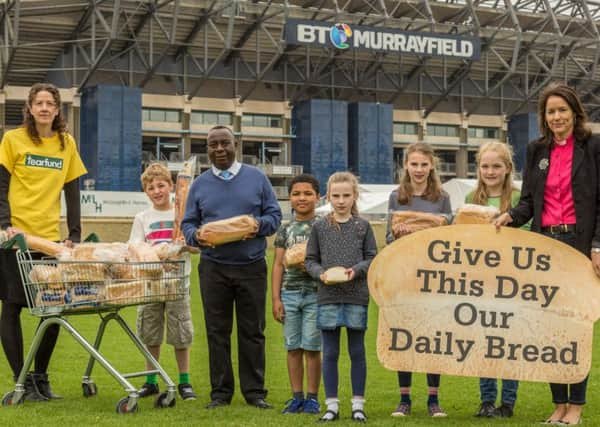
(157, 115)
(172, 116)
(483, 132)
(247, 120)
(145, 114)
(224, 119)
(405, 128)
(261, 120)
(275, 122)
(442, 130)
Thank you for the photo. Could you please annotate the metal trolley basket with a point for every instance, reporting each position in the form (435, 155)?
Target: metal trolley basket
(59, 288)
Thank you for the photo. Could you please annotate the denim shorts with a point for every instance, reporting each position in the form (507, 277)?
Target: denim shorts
(300, 324)
(352, 316)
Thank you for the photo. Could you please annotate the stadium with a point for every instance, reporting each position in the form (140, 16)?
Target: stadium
(313, 86)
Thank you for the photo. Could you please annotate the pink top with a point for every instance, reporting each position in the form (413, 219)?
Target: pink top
(558, 193)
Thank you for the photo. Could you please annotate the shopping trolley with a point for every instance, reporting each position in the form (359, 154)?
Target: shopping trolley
(57, 288)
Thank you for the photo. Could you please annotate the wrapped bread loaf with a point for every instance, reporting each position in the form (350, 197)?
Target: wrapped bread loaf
(335, 275)
(295, 255)
(475, 214)
(227, 230)
(51, 297)
(416, 221)
(87, 293)
(76, 265)
(44, 246)
(125, 292)
(144, 253)
(182, 188)
(46, 274)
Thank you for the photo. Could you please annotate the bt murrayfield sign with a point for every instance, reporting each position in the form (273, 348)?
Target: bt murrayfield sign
(345, 36)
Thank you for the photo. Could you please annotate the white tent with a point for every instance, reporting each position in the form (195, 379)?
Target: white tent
(373, 198)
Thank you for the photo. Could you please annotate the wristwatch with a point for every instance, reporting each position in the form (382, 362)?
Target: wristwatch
(596, 250)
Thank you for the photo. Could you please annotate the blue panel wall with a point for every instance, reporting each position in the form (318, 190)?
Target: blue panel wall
(111, 136)
(321, 145)
(370, 142)
(522, 128)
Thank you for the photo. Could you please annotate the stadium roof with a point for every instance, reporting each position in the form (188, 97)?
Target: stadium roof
(525, 44)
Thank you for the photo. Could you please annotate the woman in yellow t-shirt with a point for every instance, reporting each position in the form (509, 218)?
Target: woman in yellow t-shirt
(37, 161)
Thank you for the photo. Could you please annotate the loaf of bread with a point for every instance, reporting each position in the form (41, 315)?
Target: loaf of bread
(416, 221)
(227, 230)
(87, 293)
(46, 275)
(475, 214)
(335, 275)
(295, 255)
(51, 297)
(125, 292)
(182, 188)
(146, 262)
(44, 246)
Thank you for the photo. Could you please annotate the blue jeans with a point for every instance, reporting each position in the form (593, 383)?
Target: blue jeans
(300, 324)
(488, 388)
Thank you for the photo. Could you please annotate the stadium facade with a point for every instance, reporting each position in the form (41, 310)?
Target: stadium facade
(316, 85)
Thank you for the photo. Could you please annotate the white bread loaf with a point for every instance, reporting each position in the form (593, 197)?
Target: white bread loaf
(475, 214)
(416, 221)
(126, 292)
(295, 255)
(227, 230)
(335, 275)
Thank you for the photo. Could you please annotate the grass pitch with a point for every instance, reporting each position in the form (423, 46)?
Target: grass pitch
(458, 396)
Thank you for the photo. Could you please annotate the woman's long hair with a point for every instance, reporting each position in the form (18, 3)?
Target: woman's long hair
(339, 178)
(580, 129)
(481, 193)
(433, 192)
(58, 124)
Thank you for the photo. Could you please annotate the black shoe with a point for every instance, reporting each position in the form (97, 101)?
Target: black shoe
(216, 403)
(503, 411)
(43, 386)
(32, 394)
(486, 410)
(186, 392)
(260, 403)
(148, 390)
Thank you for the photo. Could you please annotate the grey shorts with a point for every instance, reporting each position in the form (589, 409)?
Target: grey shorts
(151, 323)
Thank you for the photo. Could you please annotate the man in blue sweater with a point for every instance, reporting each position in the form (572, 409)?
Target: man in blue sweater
(233, 274)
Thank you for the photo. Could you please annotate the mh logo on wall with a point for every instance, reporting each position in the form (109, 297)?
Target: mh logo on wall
(380, 39)
(339, 35)
(43, 162)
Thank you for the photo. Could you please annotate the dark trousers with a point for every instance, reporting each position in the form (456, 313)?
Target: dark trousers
(11, 336)
(568, 393)
(405, 379)
(331, 355)
(223, 287)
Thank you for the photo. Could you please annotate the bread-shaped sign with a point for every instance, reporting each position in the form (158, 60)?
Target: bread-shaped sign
(468, 300)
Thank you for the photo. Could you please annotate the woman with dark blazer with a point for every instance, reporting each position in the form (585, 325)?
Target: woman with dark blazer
(560, 193)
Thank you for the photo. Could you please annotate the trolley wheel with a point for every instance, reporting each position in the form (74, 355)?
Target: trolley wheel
(124, 408)
(89, 389)
(164, 401)
(7, 400)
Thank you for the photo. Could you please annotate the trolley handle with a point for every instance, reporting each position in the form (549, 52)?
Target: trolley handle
(19, 240)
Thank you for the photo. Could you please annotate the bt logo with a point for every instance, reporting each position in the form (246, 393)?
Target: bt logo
(339, 35)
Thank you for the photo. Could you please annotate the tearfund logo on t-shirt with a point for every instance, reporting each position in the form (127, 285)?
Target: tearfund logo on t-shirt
(43, 162)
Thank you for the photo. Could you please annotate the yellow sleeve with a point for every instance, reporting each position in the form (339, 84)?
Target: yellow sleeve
(6, 154)
(76, 166)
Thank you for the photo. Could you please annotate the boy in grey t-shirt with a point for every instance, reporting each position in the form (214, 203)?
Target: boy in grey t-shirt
(294, 295)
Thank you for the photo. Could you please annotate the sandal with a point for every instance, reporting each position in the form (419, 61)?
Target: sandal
(325, 419)
(359, 415)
